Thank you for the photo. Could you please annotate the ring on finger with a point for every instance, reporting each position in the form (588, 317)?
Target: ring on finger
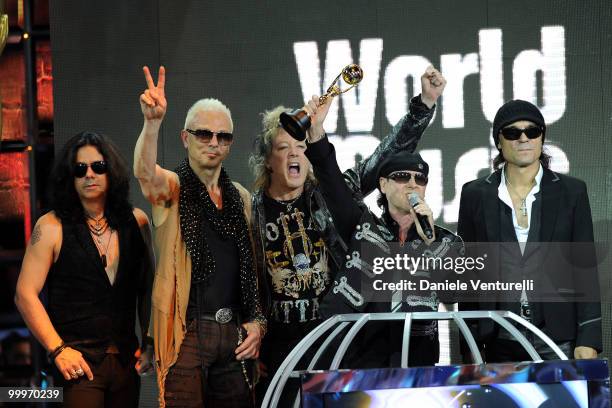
(80, 371)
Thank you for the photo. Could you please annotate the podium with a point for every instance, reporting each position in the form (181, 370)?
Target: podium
(536, 383)
(547, 384)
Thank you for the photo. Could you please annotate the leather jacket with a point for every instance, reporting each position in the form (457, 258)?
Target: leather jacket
(361, 179)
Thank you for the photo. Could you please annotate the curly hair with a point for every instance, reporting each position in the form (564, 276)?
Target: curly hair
(263, 148)
(63, 195)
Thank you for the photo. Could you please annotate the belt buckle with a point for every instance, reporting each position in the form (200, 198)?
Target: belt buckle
(223, 315)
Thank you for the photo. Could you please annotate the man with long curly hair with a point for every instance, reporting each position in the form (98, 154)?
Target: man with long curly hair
(93, 252)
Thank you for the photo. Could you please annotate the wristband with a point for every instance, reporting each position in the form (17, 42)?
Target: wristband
(53, 354)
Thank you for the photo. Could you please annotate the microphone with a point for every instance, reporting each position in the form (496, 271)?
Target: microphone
(422, 219)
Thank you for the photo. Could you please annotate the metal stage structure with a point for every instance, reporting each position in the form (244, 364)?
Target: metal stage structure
(335, 325)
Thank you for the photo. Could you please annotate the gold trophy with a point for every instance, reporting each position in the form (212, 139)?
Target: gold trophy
(296, 123)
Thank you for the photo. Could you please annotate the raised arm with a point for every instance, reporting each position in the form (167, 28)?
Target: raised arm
(39, 256)
(155, 182)
(405, 135)
(338, 197)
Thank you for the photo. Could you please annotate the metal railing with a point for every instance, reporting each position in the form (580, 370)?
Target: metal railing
(336, 325)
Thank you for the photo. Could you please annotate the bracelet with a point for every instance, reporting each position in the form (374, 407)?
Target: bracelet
(308, 141)
(263, 326)
(53, 354)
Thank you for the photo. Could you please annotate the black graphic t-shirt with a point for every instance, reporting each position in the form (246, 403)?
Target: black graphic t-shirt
(296, 261)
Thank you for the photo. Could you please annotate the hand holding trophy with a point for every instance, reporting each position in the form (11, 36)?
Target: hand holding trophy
(296, 123)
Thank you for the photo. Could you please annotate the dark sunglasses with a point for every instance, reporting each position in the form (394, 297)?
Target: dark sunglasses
(205, 136)
(403, 177)
(514, 133)
(98, 167)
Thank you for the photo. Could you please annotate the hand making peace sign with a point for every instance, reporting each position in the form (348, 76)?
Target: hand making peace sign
(153, 100)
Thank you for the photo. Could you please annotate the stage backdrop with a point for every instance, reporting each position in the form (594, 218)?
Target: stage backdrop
(256, 55)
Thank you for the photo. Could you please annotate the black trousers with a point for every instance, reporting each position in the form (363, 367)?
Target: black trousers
(206, 373)
(276, 346)
(115, 384)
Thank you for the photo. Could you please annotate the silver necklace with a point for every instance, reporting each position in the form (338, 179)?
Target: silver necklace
(523, 207)
(288, 203)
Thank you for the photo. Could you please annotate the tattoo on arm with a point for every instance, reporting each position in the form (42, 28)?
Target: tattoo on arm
(36, 234)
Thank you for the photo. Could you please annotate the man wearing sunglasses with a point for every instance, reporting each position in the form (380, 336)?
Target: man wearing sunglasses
(207, 321)
(526, 206)
(93, 253)
(400, 175)
(403, 179)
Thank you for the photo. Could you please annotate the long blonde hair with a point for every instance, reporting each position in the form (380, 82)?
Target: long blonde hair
(263, 147)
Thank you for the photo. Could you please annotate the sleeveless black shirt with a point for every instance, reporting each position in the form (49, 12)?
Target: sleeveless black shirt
(86, 310)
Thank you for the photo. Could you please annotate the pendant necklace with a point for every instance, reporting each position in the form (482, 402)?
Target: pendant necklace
(103, 254)
(99, 228)
(288, 203)
(523, 207)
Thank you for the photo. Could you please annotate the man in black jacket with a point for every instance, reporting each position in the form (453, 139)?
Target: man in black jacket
(523, 203)
(397, 232)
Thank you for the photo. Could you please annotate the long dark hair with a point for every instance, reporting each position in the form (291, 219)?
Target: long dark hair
(382, 202)
(64, 198)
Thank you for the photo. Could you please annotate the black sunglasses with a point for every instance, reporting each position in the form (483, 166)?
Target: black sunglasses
(205, 136)
(403, 177)
(514, 133)
(98, 167)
